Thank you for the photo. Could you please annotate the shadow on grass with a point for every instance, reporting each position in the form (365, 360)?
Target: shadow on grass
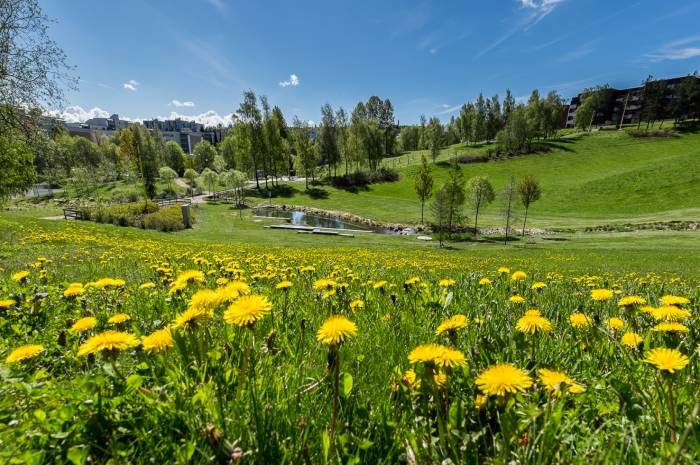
(282, 190)
(317, 193)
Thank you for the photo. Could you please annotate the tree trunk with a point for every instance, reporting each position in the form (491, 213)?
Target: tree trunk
(422, 208)
(525, 221)
(476, 223)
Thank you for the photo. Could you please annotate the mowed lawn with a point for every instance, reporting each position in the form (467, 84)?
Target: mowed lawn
(606, 177)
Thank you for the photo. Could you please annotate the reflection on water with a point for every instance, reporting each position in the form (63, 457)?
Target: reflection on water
(299, 218)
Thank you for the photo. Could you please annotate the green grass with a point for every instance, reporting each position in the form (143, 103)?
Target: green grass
(606, 177)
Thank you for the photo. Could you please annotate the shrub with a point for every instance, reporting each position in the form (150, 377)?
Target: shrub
(361, 178)
(640, 133)
(166, 219)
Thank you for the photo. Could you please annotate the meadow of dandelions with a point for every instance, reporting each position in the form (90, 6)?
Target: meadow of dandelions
(150, 354)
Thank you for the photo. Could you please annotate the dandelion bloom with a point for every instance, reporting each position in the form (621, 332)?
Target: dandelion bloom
(357, 304)
(615, 323)
(446, 283)
(518, 276)
(409, 379)
(206, 299)
(158, 341)
(246, 310)
(147, 285)
(556, 382)
(670, 313)
(631, 300)
(533, 323)
(110, 341)
(437, 354)
(670, 327)
(579, 320)
(601, 295)
(440, 379)
(538, 286)
(118, 318)
(665, 359)
(480, 401)
(24, 352)
(674, 300)
(104, 283)
(484, 282)
(192, 318)
(631, 339)
(19, 276)
(283, 286)
(502, 378)
(233, 290)
(504, 270)
(335, 330)
(83, 324)
(191, 276)
(516, 299)
(7, 303)
(379, 285)
(452, 324)
(74, 290)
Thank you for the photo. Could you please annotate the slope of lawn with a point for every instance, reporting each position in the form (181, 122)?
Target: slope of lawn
(606, 177)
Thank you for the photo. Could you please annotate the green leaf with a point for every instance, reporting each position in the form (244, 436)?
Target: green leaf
(77, 455)
(345, 384)
(134, 382)
(326, 445)
(40, 415)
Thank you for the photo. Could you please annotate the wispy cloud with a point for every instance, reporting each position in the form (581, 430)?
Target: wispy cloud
(292, 81)
(131, 85)
(447, 109)
(178, 103)
(577, 53)
(535, 11)
(681, 49)
(77, 114)
(219, 5)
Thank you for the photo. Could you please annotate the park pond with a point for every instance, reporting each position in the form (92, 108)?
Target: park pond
(301, 218)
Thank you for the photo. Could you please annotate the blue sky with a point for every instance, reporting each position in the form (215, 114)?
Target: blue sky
(144, 59)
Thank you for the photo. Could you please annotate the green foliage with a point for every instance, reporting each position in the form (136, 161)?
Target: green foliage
(165, 219)
(17, 162)
(204, 154)
(175, 157)
(480, 193)
(423, 184)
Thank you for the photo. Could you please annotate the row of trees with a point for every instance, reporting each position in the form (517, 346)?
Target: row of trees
(449, 200)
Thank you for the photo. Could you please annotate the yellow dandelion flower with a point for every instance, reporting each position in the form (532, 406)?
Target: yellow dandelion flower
(437, 354)
(357, 304)
(246, 310)
(284, 285)
(631, 300)
(233, 290)
(191, 318)
(110, 341)
(504, 270)
(480, 401)
(19, 276)
(7, 303)
(531, 324)
(446, 283)
(670, 327)
(516, 299)
(336, 330)
(556, 382)
(147, 285)
(440, 379)
(191, 276)
(25, 352)
(601, 295)
(664, 359)
(518, 276)
(410, 380)
(503, 378)
(158, 341)
(579, 320)
(74, 290)
(674, 300)
(670, 313)
(83, 324)
(379, 285)
(615, 323)
(631, 339)
(450, 358)
(538, 286)
(484, 282)
(411, 281)
(118, 318)
(453, 323)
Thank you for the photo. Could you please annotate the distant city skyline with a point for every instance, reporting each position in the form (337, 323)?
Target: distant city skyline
(193, 60)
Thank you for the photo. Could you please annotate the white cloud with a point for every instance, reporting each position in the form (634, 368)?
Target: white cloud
(681, 49)
(178, 103)
(76, 114)
(293, 81)
(446, 109)
(131, 85)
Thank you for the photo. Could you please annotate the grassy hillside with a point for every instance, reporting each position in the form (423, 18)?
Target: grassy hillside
(605, 177)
